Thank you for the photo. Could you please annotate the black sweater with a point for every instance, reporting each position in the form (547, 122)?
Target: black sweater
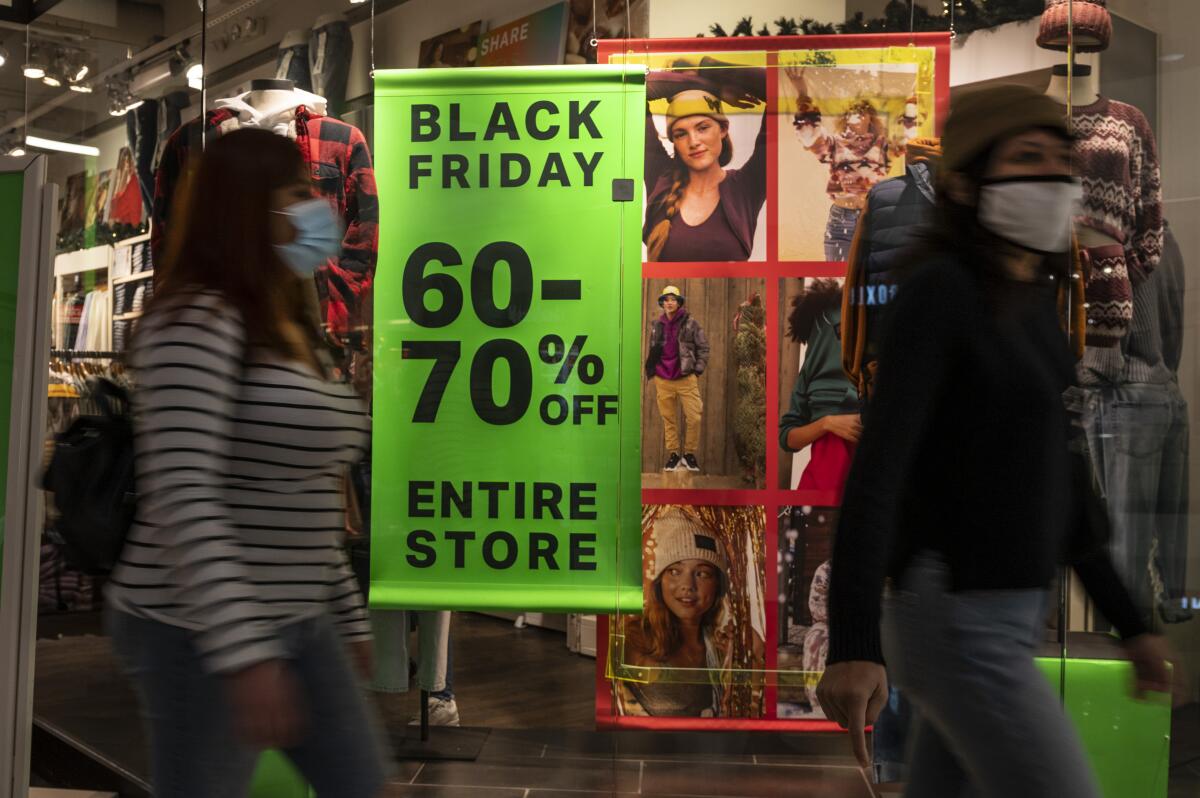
(966, 451)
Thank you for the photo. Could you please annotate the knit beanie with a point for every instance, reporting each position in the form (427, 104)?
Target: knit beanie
(677, 537)
(694, 102)
(1089, 18)
(981, 118)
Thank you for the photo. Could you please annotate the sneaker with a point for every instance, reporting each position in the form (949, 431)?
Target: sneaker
(672, 462)
(689, 462)
(442, 712)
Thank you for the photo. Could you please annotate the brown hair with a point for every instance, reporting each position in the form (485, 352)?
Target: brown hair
(221, 238)
(657, 239)
(657, 631)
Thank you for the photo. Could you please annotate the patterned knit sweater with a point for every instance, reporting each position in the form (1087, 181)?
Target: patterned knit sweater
(1116, 156)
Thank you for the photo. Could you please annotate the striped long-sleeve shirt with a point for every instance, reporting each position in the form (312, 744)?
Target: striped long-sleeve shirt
(240, 462)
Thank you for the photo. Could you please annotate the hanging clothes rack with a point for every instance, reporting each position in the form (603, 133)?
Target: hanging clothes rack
(84, 354)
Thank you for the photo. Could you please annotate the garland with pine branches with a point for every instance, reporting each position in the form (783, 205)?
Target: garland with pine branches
(898, 16)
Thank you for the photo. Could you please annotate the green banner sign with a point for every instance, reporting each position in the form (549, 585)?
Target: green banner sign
(507, 306)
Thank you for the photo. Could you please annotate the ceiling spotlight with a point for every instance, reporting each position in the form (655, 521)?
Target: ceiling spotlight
(36, 65)
(3, 56)
(195, 76)
(82, 88)
(51, 80)
(81, 72)
(17, 151)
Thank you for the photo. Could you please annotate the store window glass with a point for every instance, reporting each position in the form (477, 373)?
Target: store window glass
(691, 666)
(104, 87)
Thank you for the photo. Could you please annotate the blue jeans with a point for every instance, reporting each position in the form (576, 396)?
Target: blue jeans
(839, 232)
(889, 738)
(320, 65)
(987, 723)
(195, 752)
(329, 52)
(292, 64)
(1138, 437)
(141, 129)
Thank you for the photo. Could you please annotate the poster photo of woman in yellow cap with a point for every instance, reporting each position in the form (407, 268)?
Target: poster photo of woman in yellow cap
(705, 172)
(703, 616)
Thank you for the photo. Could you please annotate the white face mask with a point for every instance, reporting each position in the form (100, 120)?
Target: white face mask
(1031, 212)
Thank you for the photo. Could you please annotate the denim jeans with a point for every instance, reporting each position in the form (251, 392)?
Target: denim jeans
(889, 739)
(839, 232)
(292, 64)
(141, 128)
(170, 117)
(195, 752)
(1138, 436)
(987, 723)
(329, 52)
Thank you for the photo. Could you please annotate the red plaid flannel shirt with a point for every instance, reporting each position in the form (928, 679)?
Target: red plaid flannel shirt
(340, 166)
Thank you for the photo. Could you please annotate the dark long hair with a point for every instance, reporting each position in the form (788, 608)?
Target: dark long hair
(220, 237)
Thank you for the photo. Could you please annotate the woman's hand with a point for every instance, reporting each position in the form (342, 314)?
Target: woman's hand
(852, 694)
(798, 79)
(267, 705)
(1152, 659)
(737, 86)
(847, 427)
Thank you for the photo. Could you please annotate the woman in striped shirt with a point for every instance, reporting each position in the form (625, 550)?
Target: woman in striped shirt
(233, 606)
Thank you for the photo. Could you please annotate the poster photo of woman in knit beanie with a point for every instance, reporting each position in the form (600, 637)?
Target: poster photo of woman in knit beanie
(704, 351)
(845, 120)
(805, 550)
(706, 158)
(701, 631)
(819, 422)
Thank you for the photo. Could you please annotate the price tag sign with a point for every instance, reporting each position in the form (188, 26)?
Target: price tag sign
(507, 343)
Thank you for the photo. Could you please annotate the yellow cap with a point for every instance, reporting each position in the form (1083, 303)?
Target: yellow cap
(671, 290)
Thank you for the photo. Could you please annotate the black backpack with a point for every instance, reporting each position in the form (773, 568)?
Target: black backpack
(91, 479)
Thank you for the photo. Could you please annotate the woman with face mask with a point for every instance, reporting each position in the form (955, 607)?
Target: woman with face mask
(678, 627)
(969, 488)
(697, 208)
(233, 606)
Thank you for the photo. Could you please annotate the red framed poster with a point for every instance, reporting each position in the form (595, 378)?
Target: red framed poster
(759, 154)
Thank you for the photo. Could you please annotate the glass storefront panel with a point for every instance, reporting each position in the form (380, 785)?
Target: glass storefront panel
(665, 638)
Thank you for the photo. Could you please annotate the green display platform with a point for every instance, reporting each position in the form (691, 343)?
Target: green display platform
(1128, 741)
(277, 778)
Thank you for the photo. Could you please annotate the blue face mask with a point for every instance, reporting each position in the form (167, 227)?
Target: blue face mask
(318, 236)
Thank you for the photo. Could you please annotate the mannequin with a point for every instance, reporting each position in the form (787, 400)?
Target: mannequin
(1084, 84)
(1084, 89)
(1130, 405)
(340, 167)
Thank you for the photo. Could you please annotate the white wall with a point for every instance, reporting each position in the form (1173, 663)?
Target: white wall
(685, 18)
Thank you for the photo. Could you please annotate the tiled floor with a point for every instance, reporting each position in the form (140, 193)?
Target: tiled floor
(535, 764)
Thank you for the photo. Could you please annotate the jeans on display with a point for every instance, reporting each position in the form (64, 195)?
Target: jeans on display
(889, 738)
(321, 65)
(170, 118)
(839, 232)
(195, 751)
(391, 628)
(986, 721)
(141, 128)
(292, 64)
(1138, 437)
(329, 52)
